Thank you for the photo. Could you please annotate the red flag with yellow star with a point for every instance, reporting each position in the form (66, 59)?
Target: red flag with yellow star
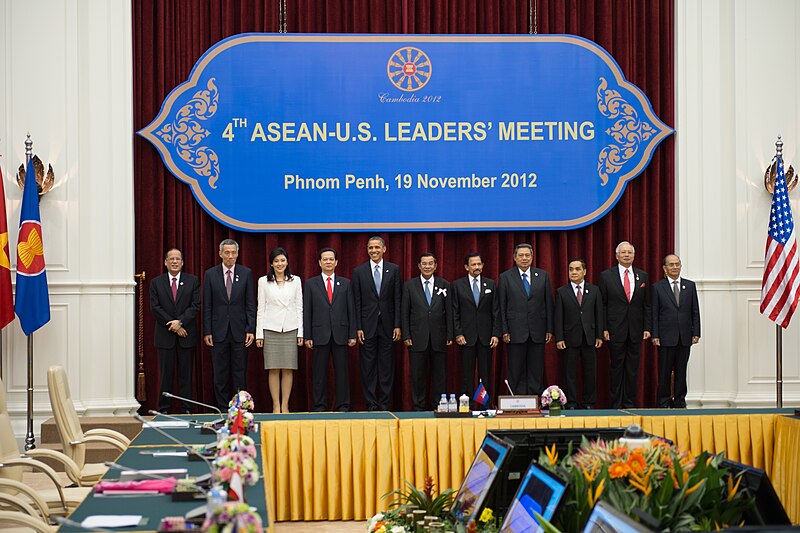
(6, 299)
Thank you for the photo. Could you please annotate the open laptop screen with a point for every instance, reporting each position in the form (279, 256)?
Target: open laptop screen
(470, 496)
(539, 491)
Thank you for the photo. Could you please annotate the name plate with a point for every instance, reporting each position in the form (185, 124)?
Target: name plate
(517, 403)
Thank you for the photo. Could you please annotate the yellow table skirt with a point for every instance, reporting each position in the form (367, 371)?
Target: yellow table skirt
(340, 469)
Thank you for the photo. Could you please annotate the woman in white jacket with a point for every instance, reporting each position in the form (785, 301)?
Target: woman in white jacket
(279, 326)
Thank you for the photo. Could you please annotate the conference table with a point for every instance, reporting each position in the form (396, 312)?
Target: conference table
(140, 456)
(339, 466)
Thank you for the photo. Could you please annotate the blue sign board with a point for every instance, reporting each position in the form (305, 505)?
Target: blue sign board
(299, 132)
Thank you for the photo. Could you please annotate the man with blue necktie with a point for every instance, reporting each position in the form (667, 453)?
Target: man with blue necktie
(427, 328)
(526, 314)
(476, 323)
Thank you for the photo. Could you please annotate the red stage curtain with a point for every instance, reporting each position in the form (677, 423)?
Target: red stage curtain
(170, 36)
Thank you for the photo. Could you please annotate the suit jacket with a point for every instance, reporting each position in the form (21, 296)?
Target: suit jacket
(219, 313)
(576, 323)
(373, 308)
(279, 308)
(625, 319)
(476, 322)
(323, 320)
(524, 316)
(675, 324)
(165, 309)
(425, 324)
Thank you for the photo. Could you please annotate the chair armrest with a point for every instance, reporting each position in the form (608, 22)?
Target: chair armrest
(30, 462)
(71, 467)
(18, 503)
(21, 519)
(90, 439)
(110, 433)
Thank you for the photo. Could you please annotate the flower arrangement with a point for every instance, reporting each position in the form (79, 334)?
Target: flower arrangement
(553, 394)
(240, 421)
(405, 502)
(226, 466)
(234, 517)
(236, 444)
(242, 400)
(679, 491)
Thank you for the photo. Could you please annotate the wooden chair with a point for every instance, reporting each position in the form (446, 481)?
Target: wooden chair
(73, 438)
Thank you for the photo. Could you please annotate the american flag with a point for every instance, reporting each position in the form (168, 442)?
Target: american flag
(780, 286)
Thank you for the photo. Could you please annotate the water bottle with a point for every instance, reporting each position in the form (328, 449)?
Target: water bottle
(452, 405)
(222, 433)
(463, 404)
(215, 499)
(443, 404)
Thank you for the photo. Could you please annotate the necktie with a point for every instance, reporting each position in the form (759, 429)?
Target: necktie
(330, 291)
(428, 292)
(476, 293)
(526, 284)
(377, 277)
(627, 285)
(229, 284)
(175, 289)
(580, 295)
(676, 291)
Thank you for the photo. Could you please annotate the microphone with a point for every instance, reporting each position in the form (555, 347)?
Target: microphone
(170, 417)
(509, 387)
(146, 423)
(188, 400)
(67, 522)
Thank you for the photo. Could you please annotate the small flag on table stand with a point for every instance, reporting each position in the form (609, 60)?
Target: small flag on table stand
(481, 395)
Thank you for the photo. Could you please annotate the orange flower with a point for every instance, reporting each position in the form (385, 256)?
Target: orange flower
(552, 454)
(618, 470)
(733, 489)
(695, 487)
(637, 463)
(619, 451)
(597, 492)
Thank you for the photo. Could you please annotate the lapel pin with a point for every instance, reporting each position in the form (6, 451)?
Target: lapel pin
(536, 274)
(181, 283)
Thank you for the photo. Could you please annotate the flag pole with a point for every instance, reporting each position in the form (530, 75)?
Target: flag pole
(30, 439)
(779, 363)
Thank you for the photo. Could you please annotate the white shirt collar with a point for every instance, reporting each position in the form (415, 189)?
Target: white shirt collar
(373, 264)
(671, 281)
(325, 278)
(423, 280)
(622, 269)
(177, 277)
(472, 280)
(528, 272)
(575, 286)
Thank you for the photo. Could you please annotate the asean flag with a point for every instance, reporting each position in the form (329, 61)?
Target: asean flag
(6, 300)
(33, 301)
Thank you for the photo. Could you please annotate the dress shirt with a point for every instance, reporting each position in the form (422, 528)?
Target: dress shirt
(632, 277)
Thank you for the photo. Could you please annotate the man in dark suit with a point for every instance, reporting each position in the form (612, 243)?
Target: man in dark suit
(427, 327)
(229, 320)
(376, 292)
(579, 331)
(175, 302)
(626, 311)
(476, 323)
(676, 327)
(526, 313)
(329, 322)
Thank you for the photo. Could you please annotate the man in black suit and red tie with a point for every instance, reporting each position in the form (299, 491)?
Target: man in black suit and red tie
(329, 323)
(376, 292)
(427, 327)
(579, 331)
(676, 327)
(175, 302)
(626, 310)
(476, 323)
(526, 313)
(229, 321)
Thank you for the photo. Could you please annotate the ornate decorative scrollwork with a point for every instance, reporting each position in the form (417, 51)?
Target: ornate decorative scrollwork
(186, 133)
(629, 131)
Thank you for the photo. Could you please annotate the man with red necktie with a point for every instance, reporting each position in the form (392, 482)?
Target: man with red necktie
(626, 311)
(329, 323)
(175, 302)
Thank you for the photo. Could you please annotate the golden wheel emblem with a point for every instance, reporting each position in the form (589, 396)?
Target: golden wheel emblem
(409, 69)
